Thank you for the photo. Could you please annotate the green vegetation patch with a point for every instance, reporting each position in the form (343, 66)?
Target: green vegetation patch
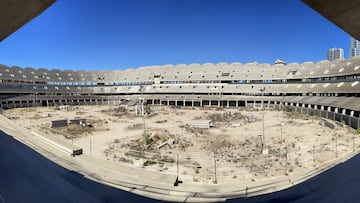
(357, 131)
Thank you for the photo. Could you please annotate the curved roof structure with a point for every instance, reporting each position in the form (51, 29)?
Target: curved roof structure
(343, 13)
(16, 13)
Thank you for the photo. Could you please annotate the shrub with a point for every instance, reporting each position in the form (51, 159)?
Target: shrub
(217, 117)
(149, 162)
(167, 159)
(289, 108)
(357, 131)
(134, 154)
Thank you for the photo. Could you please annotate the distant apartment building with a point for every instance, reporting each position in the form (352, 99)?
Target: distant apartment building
(354, 47)
(335, 53)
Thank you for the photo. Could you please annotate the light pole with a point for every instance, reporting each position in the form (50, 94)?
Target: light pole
(282, 117)
(90, 141)
(263, 145)
(144, 116)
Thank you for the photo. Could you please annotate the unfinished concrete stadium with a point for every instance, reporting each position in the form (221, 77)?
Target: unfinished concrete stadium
(217, 117)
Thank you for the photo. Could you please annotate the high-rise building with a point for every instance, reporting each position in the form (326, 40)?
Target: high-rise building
(354, 47)
(335, 53)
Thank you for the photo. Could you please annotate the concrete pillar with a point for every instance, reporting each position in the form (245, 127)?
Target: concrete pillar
(219, 103)
(344, 111)
(209, 103)
(168, 102)
(245, 103)
(184, 103)
(227, 103)
(237, 104)
(192, 103)
(336, 110)
(352, 113)
(160, 102)
(201, 103)
(175, 102)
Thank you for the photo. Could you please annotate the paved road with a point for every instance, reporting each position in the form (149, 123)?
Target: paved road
(26, 176)
(339, 184)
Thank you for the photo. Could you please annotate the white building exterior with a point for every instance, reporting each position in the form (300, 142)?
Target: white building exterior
(354, 47)
(335, 53)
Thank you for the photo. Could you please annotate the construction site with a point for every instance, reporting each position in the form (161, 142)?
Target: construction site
(198, 144)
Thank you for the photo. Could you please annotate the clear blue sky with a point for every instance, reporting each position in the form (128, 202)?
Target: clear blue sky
(120, 34)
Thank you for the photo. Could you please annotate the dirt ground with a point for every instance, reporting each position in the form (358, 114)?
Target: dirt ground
(230, 150)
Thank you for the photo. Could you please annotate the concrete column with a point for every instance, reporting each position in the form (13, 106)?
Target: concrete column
(227, 103)
(237, 104)
(209, 103)
(336, 110)
(184, 103)
(201, 104)
(192, 103)
(344, 111)
(168, 103)
(349, 121)
(245, 103)
(352, 113)
(160, 102)
(219, 103)
(175, 102)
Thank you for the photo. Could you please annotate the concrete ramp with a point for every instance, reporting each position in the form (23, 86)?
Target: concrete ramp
(66, 147)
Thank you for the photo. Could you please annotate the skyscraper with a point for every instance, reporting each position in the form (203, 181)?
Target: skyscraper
(354, 47)
(335, 53)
